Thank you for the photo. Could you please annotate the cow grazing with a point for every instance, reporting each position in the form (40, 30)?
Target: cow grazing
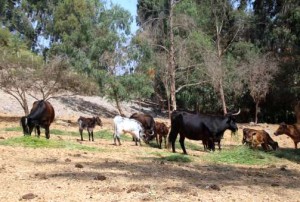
(88, 124)
(41, 115)
(124, 125)
(162, 132)
(254, 138)
(293, 131)
(148, 124)
(207, 128)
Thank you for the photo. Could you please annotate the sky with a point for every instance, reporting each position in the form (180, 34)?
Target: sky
(129, 5)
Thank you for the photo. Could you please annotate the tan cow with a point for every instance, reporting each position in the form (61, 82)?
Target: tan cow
(293, 131)
(258, 137)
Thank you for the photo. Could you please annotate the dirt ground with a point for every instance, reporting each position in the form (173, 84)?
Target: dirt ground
(137, 173)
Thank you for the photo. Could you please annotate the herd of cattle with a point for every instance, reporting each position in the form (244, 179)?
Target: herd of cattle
(208, 128)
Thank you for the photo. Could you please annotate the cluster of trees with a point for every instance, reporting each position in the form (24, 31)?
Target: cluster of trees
(204, 55)
(215, 55)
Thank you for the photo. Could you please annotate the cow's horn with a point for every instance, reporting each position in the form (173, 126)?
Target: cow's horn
(237, 113)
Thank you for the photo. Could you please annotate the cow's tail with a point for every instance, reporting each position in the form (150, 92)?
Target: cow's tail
(175, 124)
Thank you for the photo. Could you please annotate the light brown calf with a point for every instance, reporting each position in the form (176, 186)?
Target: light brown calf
(258, 137)
(293, 131)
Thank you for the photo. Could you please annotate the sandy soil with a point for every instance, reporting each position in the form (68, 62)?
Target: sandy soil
(132, 173)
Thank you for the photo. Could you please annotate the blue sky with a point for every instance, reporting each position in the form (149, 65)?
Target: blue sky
(129, 5)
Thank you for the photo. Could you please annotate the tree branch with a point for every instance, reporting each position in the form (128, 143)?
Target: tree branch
(190, 84)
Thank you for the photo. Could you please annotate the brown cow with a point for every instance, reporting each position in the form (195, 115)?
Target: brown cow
(88, 124)
(258, 137)
(148, 124)
(162, 132)
(41, 115)
(293, 131)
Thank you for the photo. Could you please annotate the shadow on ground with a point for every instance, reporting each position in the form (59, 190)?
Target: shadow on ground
(79, 104)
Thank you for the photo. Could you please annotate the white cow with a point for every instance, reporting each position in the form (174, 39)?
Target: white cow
(124, 125)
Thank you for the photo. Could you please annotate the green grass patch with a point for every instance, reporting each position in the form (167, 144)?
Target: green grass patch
(35, 142)
(19, 128)
(177, 158)
(241, 155)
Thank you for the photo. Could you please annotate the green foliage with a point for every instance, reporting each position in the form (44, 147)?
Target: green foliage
(177, 158)
(19, 128)
(241, 155)
(34, 142)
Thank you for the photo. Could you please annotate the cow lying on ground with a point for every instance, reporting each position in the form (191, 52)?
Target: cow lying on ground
(124, 125)
(293, 131)
(41, 115)
(254, 138)
(162, 132)
(88, 124)
(200, 127)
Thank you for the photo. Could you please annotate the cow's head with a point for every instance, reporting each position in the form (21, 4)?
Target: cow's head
(25, 125)
(98, 121)
(283, 129)
(230, 120)
(248, 135)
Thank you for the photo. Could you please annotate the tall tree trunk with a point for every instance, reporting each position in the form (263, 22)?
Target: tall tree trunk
(256, 112)
(222, 97)
(171, 60)
(118, 103)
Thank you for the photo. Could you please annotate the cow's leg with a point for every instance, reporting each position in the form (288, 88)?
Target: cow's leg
(181, 140)
(47, 132)
(38, 131)
(211, 144)
(165, 140)
(160, 140)
(89, 132)
(204, 142)
(136, 140)
(92, 133)
(118, 138)
(172, 138)
(295, 144)
(219, 144)
(80, 131)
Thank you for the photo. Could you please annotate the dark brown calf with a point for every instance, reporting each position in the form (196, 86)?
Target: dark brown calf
(89, 124)
(162, 132)
(293, 131)
(258, 137)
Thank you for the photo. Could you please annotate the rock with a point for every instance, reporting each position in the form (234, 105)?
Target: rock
(67, 160)
(100, 177)
(29, 196)
(213, 186)
(283, 167)
(78, 165)
(275, 184)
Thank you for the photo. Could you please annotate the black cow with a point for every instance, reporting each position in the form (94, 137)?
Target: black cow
(208, 128)
(148, 124)
(41, 115)
(88, 124)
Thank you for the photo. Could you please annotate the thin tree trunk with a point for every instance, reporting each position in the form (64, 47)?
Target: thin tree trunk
(256, 112)
(118, 103)
(171, 60)
(222, 97)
